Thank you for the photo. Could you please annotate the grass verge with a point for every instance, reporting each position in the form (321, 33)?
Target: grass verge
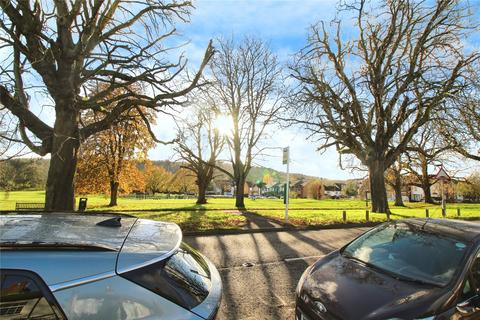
(220, 214)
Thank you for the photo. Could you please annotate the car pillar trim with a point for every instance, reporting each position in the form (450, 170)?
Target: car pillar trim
(81, 281)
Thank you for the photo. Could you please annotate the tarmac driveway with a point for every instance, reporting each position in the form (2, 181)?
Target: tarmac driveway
(260, 270)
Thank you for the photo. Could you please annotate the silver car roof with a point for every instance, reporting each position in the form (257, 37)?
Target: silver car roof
(136, 243)
(63, 229)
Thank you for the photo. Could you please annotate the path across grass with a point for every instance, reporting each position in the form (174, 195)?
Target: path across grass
(221, 213)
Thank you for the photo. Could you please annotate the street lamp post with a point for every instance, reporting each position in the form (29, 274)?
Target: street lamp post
(443, 176)
(286, 160)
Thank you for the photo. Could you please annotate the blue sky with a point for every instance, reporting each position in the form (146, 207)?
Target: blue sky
(283, 24)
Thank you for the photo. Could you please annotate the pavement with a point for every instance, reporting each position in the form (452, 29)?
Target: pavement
(260, 270)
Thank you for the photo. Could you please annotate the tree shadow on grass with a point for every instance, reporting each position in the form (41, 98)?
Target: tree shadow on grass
(257, 221)
(195, 207)
(204, 220)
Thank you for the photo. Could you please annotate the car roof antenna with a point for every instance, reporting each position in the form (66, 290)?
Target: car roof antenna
(113, 222)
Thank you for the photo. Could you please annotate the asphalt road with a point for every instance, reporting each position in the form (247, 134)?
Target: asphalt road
(265, 287)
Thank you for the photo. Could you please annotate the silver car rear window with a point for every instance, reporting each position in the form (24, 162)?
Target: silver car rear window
(183, 278)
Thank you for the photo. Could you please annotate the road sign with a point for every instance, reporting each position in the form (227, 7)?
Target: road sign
(286, 155)
(442, 175)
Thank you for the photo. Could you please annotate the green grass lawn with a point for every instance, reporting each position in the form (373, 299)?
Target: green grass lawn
(100, 202)
(221, 214)
(197, 220)
(324, 217)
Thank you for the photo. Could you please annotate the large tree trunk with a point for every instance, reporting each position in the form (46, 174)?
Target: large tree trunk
(240, 197)
(398, 190)
(202, 189)
(426, 183)
(113, 193)
(427, 192)
(377, 186)
(60, 194)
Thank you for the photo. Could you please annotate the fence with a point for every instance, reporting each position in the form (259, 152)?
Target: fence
(439, 213)
(158, 197)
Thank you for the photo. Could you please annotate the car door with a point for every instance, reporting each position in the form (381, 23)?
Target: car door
(468, 306)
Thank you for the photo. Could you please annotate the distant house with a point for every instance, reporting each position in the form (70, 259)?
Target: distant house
(313, 189)
(333, 190)
(298, 188)
(221, 187)
(452, 193)
(252, 189)
(416, 193)
(275, 190)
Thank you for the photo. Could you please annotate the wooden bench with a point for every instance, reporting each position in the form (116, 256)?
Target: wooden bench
(29, 206)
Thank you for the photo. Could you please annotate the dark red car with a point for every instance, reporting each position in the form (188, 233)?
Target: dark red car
(408, 269)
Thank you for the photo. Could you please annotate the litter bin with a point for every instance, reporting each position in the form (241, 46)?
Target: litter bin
(82, 204)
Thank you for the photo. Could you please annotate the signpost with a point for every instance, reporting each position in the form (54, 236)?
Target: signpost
(443, 176)
(286, 160)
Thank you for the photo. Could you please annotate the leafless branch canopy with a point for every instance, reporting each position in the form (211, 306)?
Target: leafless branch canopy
(10, 143)
(199, 145)
(245, 82)
(404, 62)
(459, 122)
(63, 49)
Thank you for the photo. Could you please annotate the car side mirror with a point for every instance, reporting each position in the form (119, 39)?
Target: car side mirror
(469, 306)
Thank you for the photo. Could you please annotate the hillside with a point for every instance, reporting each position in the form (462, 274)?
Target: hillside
(31, 173)
(257, 174)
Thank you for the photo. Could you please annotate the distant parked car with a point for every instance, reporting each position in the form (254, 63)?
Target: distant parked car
(410, 269)
(59, 266)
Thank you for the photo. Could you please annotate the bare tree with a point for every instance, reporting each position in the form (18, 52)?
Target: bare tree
(459, 123)
(199, 144)
(403, 61)
(64, 47)
(424, 151)
(394, 179)
(10, 142)
(244, 90)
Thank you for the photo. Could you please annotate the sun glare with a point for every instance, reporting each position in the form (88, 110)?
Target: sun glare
(224, 125)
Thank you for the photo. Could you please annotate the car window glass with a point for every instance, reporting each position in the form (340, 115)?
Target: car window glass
(406, 250)
(183, 278)
(471, 285)
(21, 298)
